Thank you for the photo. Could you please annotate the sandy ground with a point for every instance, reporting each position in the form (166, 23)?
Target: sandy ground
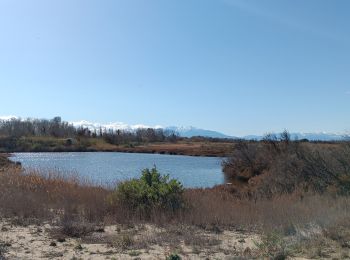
(149, 242)
(117, 242)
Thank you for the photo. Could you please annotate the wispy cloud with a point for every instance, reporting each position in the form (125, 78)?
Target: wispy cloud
(347, 92)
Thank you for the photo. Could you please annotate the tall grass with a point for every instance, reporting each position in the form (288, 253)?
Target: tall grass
(52, 197)
(213, 207)
(36, 195)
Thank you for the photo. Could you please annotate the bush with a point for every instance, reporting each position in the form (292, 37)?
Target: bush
(173, 257)
(277, 166)
(75, 228)
(151, 192)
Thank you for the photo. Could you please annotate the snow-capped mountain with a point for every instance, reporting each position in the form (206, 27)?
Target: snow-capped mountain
(322, 136)
(8, 117)
(114, 126)
(191, 131)
(318, 136)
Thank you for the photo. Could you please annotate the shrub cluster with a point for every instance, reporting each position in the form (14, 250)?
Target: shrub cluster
(152, 191)
(278, 165)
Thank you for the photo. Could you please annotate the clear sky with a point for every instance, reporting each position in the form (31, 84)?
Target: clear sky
(236, 66)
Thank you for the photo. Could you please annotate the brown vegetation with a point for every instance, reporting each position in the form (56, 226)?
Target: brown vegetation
(33, 135)
(293, 194)
(79, 209)
(281, 166)
(56, 197)
(191, 148)
(50, 144)
(30, 195)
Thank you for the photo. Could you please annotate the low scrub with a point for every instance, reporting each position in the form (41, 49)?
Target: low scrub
(151, 192)
(278, 165)
(154, 198)
(31, 195)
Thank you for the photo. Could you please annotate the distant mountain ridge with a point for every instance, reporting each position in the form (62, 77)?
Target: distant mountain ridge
(191, 131)
(114, 126)
(309, 136)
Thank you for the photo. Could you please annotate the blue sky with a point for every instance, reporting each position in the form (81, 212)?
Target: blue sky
(236, 66)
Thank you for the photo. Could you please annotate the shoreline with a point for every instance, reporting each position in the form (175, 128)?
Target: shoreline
(10, 154)
(205, 148)
(195, 149)
(5, 162)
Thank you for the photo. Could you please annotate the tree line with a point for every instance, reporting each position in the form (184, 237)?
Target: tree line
(17, 128)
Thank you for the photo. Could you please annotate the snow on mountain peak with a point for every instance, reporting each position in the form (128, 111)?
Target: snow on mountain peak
(112, 125)
(190, 131)
(8, 117)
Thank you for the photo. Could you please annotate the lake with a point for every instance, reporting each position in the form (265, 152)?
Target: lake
(110, 167)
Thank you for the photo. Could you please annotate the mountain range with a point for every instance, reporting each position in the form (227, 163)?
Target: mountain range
(309, 136)
(191, 131)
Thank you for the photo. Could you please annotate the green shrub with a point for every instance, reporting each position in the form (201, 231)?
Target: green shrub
(173, 257)
(344, 184)
(152, 191)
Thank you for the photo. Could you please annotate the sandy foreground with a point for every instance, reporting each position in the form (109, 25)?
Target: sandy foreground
(121, 242)
(44, 241)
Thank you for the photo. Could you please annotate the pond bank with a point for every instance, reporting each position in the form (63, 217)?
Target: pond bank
(49, 144)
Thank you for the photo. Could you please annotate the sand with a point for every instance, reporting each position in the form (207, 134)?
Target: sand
(149, 242)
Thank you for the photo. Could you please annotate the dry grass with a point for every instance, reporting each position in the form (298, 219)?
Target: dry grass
(214, 208)
(34, 195)
(191, 148)
(81, 143)
(274, 167)
(315, 226)
(37, 196)
(291, 224)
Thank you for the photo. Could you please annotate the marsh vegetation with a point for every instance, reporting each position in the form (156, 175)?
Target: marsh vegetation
(293, 196)
(55, 135)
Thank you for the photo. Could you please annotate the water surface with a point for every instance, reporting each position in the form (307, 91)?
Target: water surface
(107, 168)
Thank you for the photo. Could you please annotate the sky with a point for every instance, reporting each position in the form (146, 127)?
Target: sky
(236, 66)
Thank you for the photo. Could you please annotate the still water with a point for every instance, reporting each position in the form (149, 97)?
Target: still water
(108, 168)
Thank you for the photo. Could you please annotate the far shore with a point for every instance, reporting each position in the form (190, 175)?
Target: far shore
(114, 151)
(205, 149)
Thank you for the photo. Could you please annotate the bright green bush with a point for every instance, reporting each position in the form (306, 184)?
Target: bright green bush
(173, 257)
(152, 191)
